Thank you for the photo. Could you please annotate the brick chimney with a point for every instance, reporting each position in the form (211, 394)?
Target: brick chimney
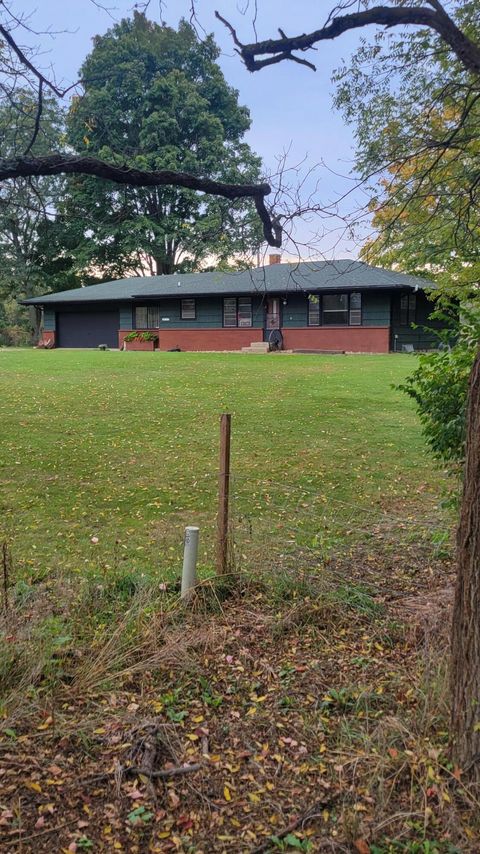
(274, 259)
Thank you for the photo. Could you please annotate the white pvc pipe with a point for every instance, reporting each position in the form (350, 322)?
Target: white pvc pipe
(190, 551)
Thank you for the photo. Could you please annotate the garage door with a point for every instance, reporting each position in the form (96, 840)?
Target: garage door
(87, 328)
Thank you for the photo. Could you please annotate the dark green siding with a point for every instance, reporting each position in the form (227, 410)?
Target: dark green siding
(376, 309)
(295, 312)
(420, 338)
(126, 317)
(209, 313)
(49, 324)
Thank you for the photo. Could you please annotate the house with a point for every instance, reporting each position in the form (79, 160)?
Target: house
(326, 306)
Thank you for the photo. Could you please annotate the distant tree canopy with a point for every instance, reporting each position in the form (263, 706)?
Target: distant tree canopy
(155, 98)
(31, 259)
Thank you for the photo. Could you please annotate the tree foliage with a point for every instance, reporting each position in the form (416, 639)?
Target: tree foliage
(416, 111)
(32, 260)
(439, 385)
(155, 98)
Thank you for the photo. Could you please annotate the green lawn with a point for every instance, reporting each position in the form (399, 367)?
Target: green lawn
(124, 447)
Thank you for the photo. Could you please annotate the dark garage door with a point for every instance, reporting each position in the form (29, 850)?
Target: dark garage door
(87, 328)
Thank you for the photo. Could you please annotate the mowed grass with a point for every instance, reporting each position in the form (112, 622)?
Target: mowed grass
(123, 447)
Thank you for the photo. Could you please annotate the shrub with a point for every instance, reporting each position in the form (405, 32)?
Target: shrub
(15, 336)
(141, 336)
(439, 386)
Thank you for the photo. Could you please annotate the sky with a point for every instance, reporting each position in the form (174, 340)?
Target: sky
(290, 106)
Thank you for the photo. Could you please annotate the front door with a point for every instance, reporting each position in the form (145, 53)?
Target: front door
(272, 315)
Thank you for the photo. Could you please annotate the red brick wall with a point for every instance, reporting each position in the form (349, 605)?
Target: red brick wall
(358, 339)
(141, 345)
(203, 339)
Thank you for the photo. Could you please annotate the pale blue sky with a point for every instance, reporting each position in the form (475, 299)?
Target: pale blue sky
(291, 107)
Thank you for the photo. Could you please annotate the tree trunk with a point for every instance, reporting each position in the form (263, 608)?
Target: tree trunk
(164, 266)
(465, 676)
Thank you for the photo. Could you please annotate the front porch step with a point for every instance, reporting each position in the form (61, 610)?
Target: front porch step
(256, 347)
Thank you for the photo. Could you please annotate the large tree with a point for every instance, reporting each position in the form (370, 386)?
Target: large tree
(155, 98)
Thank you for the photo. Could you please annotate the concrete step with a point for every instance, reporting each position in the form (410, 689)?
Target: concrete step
(256, 347)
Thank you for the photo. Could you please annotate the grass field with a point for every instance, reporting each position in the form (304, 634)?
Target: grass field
(123, 447)
(306, 697)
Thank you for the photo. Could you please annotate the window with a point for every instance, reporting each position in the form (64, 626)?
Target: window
(355, 316)
(188, 309)
(408, 309)
(230, 311)
(147, 317)
(244, 311)
(335, 309)
(314, 311)
(237, 312)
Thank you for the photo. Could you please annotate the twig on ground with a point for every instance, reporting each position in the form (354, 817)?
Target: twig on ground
(135, 770)
(21, 839)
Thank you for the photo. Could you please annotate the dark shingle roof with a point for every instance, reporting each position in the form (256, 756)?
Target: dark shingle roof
(276, 278)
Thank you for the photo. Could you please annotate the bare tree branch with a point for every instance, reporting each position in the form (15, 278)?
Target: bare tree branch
(38, 116)
(64, 164)
(435, 18)
(25, 61)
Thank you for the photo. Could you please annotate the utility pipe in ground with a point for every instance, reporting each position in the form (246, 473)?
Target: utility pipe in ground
(190, 552)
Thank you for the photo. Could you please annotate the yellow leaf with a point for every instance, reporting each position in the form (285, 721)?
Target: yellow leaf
(254, 798)
(430, 773)
(35, 787)
(198, 719)
(192, 736)
(226, 793)
(252, 710)
(48, 722)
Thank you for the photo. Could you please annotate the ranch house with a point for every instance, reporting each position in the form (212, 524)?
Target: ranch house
(316, 306)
